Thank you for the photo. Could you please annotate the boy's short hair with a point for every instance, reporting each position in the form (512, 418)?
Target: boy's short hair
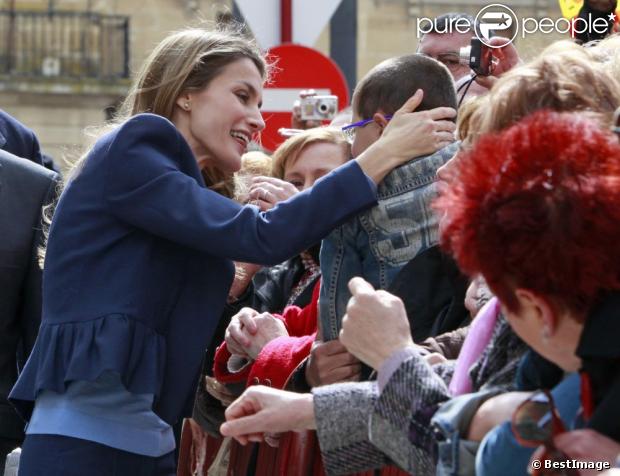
(388, 85)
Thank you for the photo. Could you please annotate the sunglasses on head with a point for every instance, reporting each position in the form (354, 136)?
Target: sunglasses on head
(535, 423)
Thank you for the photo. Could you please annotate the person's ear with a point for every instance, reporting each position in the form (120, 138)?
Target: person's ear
(540, 309)
(184, 101)
(380, 120)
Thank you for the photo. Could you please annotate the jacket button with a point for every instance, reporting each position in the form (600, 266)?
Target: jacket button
(267, 382)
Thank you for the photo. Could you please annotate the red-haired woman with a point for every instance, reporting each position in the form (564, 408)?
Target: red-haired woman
(535, 211)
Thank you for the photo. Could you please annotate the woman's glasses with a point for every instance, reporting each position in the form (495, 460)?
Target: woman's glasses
(536, 422)
(616, 126)
(349, 131)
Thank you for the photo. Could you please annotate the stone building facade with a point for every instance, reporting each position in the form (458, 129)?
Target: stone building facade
(64, 63)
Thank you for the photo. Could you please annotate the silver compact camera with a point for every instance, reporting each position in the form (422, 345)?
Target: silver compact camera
(318, 108)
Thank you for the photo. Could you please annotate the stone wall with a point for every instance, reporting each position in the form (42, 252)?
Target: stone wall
(60, 111)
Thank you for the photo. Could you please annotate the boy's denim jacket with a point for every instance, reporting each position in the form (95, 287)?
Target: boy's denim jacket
(377, 243)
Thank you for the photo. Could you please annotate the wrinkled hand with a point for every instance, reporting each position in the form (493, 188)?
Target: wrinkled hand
(375, 325)
(413, 134)
(266, 192)
(241, 325)
(218, 390)
(330, 362)
(507, 57)
(588, 445)
(264, 409)
(268, 328)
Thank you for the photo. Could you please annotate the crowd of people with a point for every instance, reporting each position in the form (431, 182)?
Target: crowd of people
(427, 285)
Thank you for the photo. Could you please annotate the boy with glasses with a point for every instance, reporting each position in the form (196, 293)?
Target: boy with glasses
(378, 243)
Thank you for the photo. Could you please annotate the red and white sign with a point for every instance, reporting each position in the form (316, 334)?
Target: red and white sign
(297, 68)
(308, 19)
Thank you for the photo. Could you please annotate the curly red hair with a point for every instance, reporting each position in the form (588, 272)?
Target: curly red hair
(537, 206)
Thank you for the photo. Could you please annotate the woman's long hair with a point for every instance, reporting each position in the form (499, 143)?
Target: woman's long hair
(187, 60)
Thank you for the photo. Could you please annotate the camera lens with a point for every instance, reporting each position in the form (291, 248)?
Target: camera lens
(323, 108)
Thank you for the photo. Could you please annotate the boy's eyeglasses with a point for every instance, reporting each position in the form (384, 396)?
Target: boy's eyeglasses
(536, 422)
(349, 131)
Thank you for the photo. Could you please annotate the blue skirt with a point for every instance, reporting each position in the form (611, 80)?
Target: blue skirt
(54, 455)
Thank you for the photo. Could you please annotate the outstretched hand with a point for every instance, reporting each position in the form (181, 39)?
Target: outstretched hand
(260, 411)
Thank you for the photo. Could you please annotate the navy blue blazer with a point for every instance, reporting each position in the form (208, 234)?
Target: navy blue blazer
(138, 263)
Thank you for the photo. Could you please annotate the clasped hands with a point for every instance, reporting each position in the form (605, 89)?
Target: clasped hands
(374, 326)
(249, 331)
(246, 335)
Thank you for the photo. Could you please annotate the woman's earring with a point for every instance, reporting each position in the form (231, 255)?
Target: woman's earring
(186, 106)
(546, 334)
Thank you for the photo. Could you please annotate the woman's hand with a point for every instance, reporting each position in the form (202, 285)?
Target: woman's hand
(375, 325)
(240, 327)
(264, 409)
(268, 328)
(266, 192)
(409, 134)
(330, 362)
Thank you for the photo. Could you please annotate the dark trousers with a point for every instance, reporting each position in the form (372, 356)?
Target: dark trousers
(53, 455)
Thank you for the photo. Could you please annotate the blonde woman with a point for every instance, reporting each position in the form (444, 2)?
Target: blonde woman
(139, 258)
(297, 164)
